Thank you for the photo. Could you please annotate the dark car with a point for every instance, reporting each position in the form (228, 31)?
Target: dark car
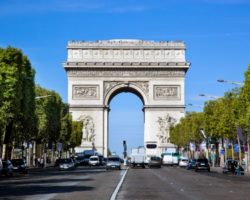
(202, 164)
(1, 167)
(191, 164)
(79, 161)
(7, 168)
(154, 161)
(232, 166)
(19, 165)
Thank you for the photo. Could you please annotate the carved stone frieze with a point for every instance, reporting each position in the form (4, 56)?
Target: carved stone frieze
(125, 43)
(110, 84)
(126, 50)
(126, 73)
(85, 92)
(166, 92)
(143, 85)
(164, 124)
(88, 130)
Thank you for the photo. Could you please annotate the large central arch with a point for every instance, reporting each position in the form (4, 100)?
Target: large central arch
(154, 71)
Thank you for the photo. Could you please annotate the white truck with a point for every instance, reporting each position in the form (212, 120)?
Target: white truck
(138, 157)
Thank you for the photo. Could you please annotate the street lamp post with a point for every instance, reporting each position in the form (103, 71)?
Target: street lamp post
(41, 97)
(230, 82)
(44, 141)
(209, 96)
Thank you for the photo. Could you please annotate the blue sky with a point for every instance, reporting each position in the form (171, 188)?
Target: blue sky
(216, 33)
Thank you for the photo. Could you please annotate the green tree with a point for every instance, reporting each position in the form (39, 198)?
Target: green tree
(48, 110)
(244, 103)
(187, 130)
(16, 97)
(221, 116)
(76, 134)
(66, 125)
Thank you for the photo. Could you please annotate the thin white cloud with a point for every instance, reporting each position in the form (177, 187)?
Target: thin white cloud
(40, 7)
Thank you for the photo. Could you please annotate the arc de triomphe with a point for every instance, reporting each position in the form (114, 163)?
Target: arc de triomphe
(154, 71)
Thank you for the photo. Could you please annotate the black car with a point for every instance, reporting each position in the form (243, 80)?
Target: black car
(191, 164)
(232, 166)
(19, 165)
(202, 164)
(7, 168)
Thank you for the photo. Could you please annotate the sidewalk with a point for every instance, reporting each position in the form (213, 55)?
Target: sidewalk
(36, 168)
(219, 170)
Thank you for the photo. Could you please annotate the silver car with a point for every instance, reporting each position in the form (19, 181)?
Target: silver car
(113, 162)
(66, 164)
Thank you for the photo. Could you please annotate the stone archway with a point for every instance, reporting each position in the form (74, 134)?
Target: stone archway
(154, 71)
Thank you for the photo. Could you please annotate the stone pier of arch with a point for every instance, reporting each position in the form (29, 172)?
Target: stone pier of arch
(154, 71)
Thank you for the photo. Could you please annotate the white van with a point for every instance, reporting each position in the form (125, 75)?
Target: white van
(94, 161)
(170, 158)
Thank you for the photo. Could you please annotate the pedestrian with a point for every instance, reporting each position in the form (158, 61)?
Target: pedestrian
(42, 162)
(39, 162)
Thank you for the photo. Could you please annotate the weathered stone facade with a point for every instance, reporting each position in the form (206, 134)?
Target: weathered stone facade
(97, 71)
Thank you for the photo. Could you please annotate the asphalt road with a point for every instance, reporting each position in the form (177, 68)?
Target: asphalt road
(51, 184)
(174, 183)
(150, 184)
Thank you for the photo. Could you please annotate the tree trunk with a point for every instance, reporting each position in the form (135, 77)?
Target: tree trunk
(7, 140)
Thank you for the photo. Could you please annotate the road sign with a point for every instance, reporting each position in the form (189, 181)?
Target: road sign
(59, 147)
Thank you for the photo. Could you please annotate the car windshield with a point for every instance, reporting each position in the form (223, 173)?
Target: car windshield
(116, 159)
(93, 159)
(156, 158)
(4, 164)
(202, 160)
(65, 161)
(17, 162)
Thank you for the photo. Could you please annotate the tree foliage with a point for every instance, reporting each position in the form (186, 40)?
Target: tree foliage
(76, 135)
(244, 103)
(66, 124)
(187, 130)
(17, 96)
(49, 111)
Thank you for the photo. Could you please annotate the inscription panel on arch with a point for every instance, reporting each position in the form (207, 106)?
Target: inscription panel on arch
(167, 92)
(82, 92)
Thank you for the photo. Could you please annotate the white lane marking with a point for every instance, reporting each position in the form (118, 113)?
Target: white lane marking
(118, 186)
(42, 197)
